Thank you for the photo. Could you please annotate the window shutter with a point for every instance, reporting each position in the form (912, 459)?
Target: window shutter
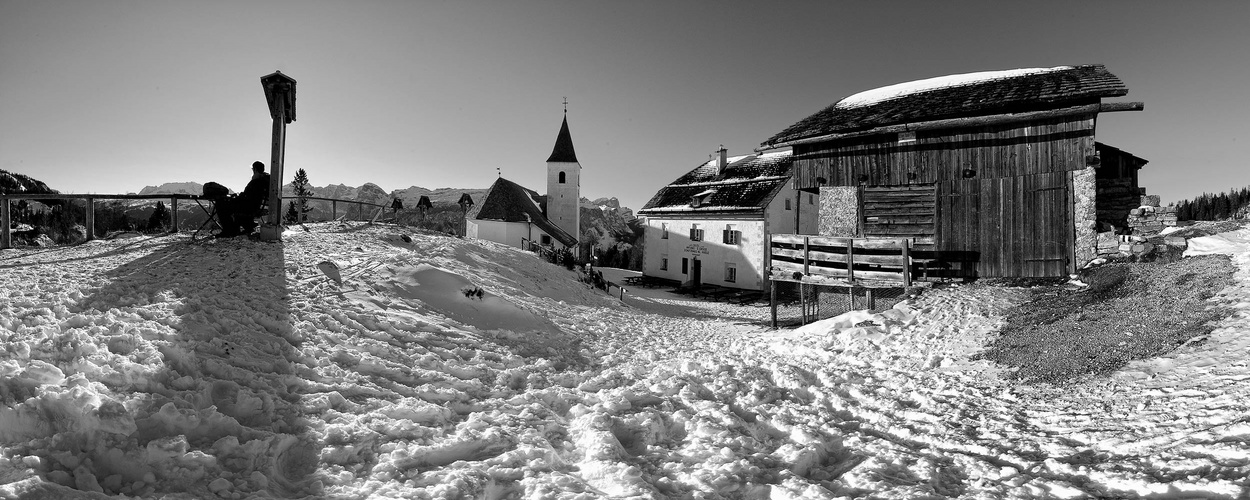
(727, 237)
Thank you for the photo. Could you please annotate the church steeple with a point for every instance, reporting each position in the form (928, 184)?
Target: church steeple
(563, 152)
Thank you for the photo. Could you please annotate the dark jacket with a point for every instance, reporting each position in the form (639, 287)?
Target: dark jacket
(256, 191)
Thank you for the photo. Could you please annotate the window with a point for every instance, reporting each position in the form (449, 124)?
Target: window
(561, 177)
(788, 204)
(811, 199)
(696, 234)
(546, 239)
(685, 265)
(731, 272)
(664, 263)
(731, 235)
(664, 230)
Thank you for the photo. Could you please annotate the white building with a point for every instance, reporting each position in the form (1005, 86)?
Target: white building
(517, 216)
(711, 225)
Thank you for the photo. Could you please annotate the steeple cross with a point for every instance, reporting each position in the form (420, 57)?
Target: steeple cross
(566, 105)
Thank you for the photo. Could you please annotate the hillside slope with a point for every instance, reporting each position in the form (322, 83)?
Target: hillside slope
(349, 362)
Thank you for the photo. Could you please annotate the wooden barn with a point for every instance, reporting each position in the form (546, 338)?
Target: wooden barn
(991, 174)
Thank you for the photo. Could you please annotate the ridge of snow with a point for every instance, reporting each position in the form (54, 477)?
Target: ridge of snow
(880, 94)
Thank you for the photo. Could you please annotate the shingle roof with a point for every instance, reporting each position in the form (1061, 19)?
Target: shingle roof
(563, 150)
(747, 184)
(508, 201)
(1030, 91)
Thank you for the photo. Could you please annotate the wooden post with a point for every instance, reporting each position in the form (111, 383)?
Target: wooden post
(850, 262)
(173, 213)
(280, 95)
(90, 218)
(872, 301)
(806, 241)
(906, 244)
(772, 300)
(802, 301)
(6, 236)
(334, 209)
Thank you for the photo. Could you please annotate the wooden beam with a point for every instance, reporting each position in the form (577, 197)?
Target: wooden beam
(90, 218)
(6, 237)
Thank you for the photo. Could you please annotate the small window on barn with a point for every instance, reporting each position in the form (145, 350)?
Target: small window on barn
(788, 204)
(664, 230)
(546, 239)
(561, 177)
(731, 272)
(664, 263)
(811, 199)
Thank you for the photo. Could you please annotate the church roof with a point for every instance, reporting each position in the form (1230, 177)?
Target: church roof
(507, 201)
(563, 151)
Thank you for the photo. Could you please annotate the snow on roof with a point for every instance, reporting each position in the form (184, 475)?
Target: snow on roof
(873, 96)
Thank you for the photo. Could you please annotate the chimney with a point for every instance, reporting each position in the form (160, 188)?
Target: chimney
(721, 160)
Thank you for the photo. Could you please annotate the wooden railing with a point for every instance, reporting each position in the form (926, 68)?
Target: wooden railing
(6, 236)
(840, 261)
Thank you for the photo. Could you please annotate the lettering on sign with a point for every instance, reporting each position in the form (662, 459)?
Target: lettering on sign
(696, 248)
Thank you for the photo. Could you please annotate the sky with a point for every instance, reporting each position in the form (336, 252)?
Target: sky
(110, 96)
(349, 364)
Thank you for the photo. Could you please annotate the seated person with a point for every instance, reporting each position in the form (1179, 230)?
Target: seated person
(236, 213)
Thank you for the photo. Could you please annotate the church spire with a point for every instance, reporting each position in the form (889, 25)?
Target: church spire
(563, 152)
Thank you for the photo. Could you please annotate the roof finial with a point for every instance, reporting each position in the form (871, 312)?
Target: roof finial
(499, 172)
(566, 105)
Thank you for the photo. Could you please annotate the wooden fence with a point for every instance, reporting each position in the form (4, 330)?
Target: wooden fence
(869, 262)
(6, 221)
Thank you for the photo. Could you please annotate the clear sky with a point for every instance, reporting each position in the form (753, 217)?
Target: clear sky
(108, 96)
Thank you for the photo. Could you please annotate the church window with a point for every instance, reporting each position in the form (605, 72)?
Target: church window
(561, 177)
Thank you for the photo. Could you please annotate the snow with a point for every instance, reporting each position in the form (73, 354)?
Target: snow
(874, 96)
(161, 368)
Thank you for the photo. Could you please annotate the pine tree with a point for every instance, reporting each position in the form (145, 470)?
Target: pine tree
(300, 185)
(156, 222)
(292, 214)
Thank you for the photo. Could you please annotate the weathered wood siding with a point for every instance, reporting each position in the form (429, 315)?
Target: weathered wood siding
(1117, 181)
(900, 211)
(1003, 198)
(1057, 144)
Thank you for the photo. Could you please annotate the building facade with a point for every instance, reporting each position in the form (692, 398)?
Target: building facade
(711, 225)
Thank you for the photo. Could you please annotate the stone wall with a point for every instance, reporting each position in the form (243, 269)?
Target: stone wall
(1150, 218)
(839, 211)
(1085, 213)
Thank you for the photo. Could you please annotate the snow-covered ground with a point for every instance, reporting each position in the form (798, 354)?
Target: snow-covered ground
(350, 362)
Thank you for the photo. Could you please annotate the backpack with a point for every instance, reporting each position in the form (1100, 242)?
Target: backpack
(215, 190)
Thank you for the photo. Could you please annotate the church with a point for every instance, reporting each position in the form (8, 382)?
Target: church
(517, 216)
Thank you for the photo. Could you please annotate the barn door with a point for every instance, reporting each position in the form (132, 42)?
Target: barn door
(1013, 226)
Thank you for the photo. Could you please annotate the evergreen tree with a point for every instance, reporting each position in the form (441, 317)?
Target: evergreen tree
(300, 185)
(292, 213)
(156, 222)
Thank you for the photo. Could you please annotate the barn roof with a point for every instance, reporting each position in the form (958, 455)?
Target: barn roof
(958, 96)
(748, 184)
(507, 201)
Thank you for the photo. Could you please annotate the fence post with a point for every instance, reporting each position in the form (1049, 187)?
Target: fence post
(906, 244)
(6, 238)
(772, 300)
(90, 218)
(173, 212)
(334, 209)
(850, 264)
(806, 241)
